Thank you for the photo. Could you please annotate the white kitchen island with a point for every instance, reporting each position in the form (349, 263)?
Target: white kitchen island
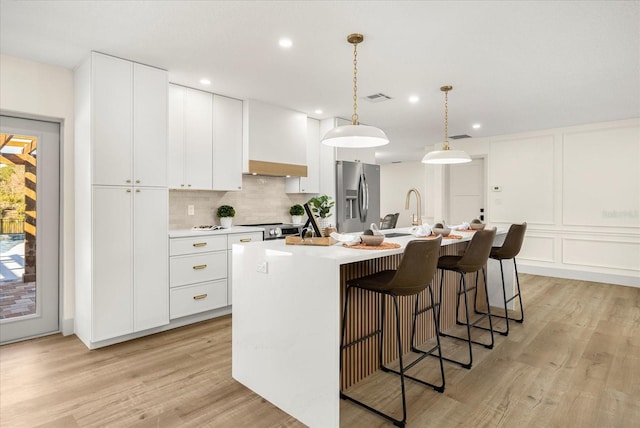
(286, 320)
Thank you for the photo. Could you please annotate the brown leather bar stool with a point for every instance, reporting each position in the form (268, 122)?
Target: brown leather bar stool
(474, 259)
(509, 250)
(414, 274)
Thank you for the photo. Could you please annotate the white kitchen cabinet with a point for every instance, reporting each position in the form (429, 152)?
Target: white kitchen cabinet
(310, 183)
(198, 274)
(274, 140)
(200, 271)
(129, 122)
(121, 215)
(237, 238)
(190, 138)
(129, 263)
(227, 143)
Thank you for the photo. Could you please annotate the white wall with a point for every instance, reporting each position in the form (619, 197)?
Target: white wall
(34, 89)
(578, 188)
(395, 181)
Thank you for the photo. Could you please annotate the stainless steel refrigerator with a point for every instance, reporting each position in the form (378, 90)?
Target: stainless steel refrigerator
(357, 196)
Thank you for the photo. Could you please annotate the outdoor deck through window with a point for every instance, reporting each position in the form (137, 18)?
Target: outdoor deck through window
(18, 155)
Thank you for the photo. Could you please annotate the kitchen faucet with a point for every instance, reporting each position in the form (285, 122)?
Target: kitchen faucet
(416, 219)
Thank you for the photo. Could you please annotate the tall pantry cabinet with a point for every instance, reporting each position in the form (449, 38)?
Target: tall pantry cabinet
(121, 195)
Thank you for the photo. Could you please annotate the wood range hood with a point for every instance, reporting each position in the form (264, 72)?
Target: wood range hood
(275, 169)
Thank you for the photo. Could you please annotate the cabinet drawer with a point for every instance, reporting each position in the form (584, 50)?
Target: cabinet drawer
(237, 238)
(197, 244)
(197, 268)
(191, 299)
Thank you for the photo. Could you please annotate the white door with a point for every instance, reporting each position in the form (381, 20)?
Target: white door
(466, 192)
(29, 265)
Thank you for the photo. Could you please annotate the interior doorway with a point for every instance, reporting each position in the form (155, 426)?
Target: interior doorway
(29, 228)
(466, 184)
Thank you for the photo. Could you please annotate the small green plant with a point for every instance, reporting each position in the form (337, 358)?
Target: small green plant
(226, 211)
(321, 206)
(296, 209)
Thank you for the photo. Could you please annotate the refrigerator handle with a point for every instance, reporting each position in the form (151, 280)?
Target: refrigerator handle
(364, 206)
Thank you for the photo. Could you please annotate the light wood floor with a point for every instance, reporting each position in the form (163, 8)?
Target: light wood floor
(575, 362)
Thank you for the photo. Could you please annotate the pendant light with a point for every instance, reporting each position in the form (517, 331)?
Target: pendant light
(446, 155)
(355, 135)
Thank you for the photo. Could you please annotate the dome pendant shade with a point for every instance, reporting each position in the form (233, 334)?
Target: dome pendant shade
(355, 136)
(444, 157)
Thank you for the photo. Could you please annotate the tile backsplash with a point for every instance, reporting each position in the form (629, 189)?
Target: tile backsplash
(262, 200)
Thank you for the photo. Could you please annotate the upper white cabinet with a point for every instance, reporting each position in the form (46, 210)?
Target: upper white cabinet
(275, 140)
(310, 183)
(129, 120)
(227, 143)
(190, 138)
(205, 140)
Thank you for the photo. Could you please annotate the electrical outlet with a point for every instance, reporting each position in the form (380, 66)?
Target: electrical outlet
(263, 267)
(191, 210)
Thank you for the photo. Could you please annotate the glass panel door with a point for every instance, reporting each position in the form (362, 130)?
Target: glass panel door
(29, 220)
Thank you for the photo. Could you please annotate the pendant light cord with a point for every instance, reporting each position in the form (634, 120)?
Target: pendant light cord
(354, 117)
(446, 90)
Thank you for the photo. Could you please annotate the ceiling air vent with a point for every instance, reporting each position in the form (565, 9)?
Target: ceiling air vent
(377, 98)
(459, 137)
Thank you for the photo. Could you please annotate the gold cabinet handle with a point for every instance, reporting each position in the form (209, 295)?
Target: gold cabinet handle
(138, 181)
(245, 240)
(200, 244)
(200, 297)
(128, 190)
(199, 267)
(128, 181)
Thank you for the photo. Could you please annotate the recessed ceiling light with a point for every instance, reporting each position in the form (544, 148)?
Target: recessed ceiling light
(318, 111)
(285, 43)
(205, 81)
(414, 99)
(476, 126)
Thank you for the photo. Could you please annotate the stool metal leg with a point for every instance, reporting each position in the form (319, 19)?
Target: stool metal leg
(397, 422)
(506, 316)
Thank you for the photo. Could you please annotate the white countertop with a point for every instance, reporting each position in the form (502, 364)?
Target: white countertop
(182, 233)
(343, 254)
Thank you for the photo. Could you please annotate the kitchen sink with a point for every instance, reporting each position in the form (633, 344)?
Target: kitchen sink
(395, 234)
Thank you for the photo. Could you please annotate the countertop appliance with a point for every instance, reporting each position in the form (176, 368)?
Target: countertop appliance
(277, 230)
(357, 196)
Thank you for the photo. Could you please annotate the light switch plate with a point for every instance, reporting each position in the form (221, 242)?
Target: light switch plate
(191, 210)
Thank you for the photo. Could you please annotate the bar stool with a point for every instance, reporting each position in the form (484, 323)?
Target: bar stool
(474, 259)
(413, 275)
(509, 250)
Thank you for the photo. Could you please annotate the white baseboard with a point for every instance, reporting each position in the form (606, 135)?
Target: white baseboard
(68, 327)
(629, 281)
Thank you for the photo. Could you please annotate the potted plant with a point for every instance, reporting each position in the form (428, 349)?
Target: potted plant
(226, 214)
(321, 208)
(296, 211)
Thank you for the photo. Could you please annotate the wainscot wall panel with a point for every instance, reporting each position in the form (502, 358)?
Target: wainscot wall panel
(523, 168)
(612, 253)
(601, 178)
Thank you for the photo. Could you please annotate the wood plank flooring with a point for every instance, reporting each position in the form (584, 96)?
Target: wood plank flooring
(575, 362)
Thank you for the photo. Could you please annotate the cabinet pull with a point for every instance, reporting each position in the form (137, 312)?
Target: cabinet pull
(137, 190)
(198, 267)
(138, 181)
(128, 181)
(200, 297)
(200, 244)
(128, 190)
(245, 240)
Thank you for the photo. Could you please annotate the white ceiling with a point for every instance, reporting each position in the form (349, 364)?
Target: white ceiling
(515, 65)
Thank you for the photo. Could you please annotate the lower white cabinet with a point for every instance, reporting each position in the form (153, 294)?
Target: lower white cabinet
(200, 271)
(129, 262)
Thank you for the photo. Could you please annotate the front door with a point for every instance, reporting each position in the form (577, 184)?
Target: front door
(29, 228)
